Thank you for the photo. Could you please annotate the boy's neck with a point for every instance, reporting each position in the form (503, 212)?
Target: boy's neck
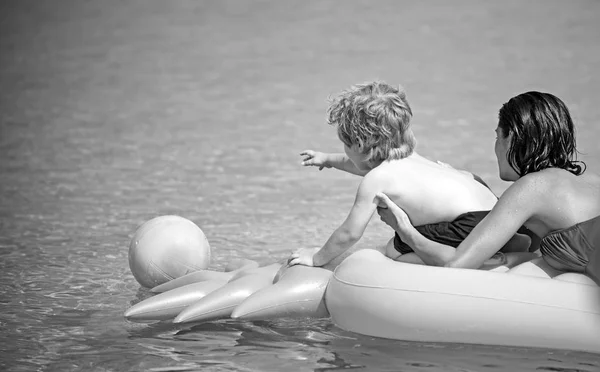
(379, 162)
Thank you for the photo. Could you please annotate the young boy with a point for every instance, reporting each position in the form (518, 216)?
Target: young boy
(373, 123)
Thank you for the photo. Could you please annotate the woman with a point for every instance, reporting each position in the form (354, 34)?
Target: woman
(552, 195)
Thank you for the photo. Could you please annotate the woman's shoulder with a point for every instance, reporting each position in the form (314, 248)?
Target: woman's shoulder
(539, 181)
(540, 186)
(556, 178)
(556, 184)
(591, 178)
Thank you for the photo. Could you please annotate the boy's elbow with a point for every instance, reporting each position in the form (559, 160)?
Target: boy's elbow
(348, 236)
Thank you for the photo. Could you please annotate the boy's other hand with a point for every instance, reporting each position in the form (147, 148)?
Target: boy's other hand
(314, 159)
(303, 256)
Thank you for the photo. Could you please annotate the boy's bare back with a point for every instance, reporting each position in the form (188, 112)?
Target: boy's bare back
(428, 191)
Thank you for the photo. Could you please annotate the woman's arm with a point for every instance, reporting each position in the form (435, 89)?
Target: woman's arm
(513, 209)
(432, 253)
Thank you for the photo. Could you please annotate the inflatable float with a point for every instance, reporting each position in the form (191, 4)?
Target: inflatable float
(221, 302)
(373, 295)
(268, 292)
(167, 305)
(298, 292)
(231, 270)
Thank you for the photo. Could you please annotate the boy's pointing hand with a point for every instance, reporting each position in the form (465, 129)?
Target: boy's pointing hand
(315, 159)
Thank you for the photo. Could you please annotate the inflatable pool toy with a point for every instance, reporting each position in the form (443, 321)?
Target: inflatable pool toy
(191, 278)
(165, 248)
(205, 275)
(221, 302)
(575, 278)
(167, 305)
(373, 295)
(299, 292)
(368, 294)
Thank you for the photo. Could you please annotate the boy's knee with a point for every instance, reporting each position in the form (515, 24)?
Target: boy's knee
(536, 267)
(390, 251)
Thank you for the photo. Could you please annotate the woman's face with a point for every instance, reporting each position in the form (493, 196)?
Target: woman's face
(506, 172)
(358, 159)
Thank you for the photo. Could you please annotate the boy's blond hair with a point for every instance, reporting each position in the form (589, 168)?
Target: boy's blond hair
(374, 117)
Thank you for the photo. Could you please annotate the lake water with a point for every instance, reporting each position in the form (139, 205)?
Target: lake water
(114, 112)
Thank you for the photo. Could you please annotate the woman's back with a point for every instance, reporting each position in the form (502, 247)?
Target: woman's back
(567, 217)
(560, 199)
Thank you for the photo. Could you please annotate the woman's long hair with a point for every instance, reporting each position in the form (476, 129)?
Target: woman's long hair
(543, 134)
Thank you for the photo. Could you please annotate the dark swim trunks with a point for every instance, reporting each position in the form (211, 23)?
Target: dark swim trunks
(451, 233)
(448, 233)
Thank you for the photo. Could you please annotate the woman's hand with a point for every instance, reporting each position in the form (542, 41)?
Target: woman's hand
(315, 159)
(303, 256)
(394, 216)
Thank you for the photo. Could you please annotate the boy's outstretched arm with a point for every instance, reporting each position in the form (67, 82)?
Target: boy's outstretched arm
(350, 231)
(328, 160)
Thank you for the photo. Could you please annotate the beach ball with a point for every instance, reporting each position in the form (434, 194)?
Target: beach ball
(166, 248)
